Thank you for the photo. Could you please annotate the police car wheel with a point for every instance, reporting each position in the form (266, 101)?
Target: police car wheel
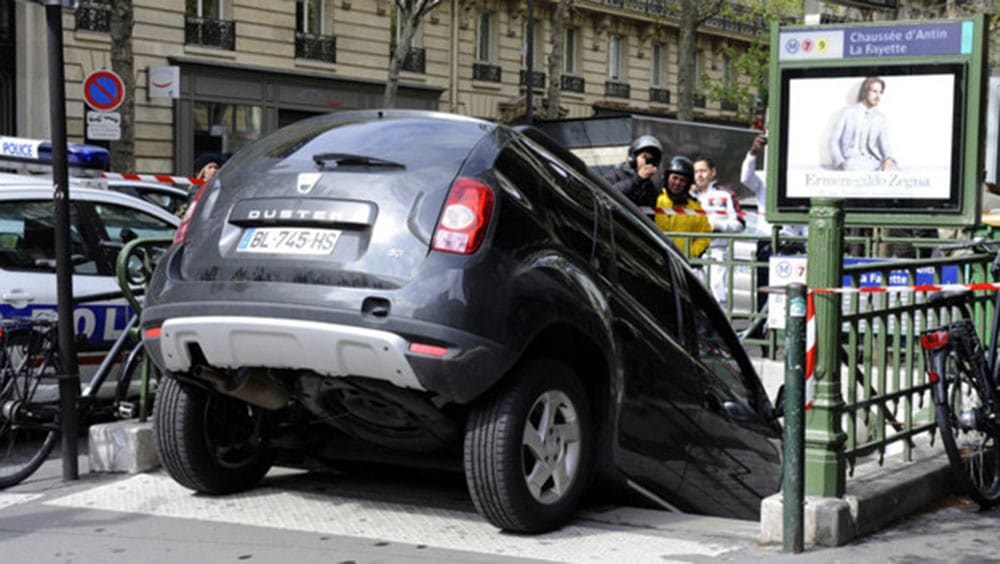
(209, 442)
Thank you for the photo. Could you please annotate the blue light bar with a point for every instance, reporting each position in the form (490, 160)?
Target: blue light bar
(39, 152)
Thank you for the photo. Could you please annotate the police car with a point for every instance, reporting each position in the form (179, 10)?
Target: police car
(102, 221)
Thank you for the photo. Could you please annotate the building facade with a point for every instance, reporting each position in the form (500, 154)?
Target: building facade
(249, 67)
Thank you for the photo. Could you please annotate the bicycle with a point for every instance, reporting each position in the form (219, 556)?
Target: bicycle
(964, 384)
(29, 368)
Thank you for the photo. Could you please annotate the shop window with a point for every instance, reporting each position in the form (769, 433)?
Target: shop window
(225, 128)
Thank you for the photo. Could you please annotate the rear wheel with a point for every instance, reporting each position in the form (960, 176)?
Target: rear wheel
(209, 442)
(28, 406)
(969, 431)
(529, 447)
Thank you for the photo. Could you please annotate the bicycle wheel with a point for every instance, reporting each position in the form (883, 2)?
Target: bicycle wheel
(28, 406)
(969, 429)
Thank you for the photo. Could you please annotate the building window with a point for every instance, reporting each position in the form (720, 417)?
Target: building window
(205, 9)
(204, 25)
(484, 38)
(309, 16)
(310, 41)
(94, 15)
(415, 59)
(616, 49)
(656, 60)
(728, 73)
(485, 67)
(537, 47)
(569, 51)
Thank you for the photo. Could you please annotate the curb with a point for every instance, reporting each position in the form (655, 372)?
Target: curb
(872, 502)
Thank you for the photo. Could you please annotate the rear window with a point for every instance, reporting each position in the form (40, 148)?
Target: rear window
(416, 142)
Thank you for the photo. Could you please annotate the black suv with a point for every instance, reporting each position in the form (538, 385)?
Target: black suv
(434, 289)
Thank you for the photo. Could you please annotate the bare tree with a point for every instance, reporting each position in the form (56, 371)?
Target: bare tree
(410, 12)
(555, 59)
(123, 64)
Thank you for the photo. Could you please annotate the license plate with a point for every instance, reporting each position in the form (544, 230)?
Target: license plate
(288, 240)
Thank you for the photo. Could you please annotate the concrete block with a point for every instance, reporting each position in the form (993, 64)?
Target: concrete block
(826, 521)
(122, 446)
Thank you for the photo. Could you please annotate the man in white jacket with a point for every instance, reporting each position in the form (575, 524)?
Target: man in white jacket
(723, 209)
(752, 180)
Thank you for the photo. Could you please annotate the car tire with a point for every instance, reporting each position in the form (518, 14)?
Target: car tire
(520, 481)
(209, 442)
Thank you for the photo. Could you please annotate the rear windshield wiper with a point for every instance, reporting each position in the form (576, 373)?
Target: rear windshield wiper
(334, 160)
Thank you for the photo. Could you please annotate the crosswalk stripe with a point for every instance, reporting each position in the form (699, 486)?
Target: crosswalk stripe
(325, 513)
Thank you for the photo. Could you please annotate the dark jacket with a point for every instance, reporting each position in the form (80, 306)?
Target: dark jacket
(627, 181)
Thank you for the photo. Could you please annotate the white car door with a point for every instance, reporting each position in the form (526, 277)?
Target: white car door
(101, 222)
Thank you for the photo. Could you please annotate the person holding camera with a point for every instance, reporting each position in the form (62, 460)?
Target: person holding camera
(635, 178)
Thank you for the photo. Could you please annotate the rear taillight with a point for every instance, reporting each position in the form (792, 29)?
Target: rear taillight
(934, 340)
(181, 233)
(466, 216)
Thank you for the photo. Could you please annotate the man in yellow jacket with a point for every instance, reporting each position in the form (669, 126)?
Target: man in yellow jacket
(677, 211)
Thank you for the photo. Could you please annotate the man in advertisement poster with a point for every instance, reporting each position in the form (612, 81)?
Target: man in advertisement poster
(860, 139)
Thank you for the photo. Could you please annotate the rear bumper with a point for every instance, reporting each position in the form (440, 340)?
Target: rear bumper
(332, 345)
(325, 348)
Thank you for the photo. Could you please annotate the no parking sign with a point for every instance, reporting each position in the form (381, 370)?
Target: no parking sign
(103, 90)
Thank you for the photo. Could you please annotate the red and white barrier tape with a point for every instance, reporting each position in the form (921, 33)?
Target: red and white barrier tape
(687, 211)
(810, 348)
(811, 315)
(980, 286)
(153, 178)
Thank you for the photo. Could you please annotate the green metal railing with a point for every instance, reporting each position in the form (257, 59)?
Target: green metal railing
(886, 393)
(872, 396)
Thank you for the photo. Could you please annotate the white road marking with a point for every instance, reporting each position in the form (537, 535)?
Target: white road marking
(582, 541)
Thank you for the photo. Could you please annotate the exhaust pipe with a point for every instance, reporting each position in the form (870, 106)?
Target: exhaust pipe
(251, 385)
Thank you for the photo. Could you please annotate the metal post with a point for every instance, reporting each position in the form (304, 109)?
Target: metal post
(793, 486)
(69, 380)
(530, 64)
(825, 463)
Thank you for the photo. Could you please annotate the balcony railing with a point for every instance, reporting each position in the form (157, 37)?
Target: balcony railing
(571, 83)
(210, 32)
(699, 100)
(414, 61)
(743, 21)
(538, 79)
(93, 16)
(316, 47)
(614, 89)
(659, 95)
(486, 72)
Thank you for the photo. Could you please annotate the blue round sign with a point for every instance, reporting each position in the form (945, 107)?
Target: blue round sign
(103, 90)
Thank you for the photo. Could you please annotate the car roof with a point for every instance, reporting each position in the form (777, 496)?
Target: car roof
(33, 190)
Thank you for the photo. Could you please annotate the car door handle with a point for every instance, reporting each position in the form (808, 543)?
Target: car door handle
(17, 296)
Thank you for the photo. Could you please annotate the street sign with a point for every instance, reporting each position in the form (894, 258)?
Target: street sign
(103, 90)
(104, 126)
(164, 82)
